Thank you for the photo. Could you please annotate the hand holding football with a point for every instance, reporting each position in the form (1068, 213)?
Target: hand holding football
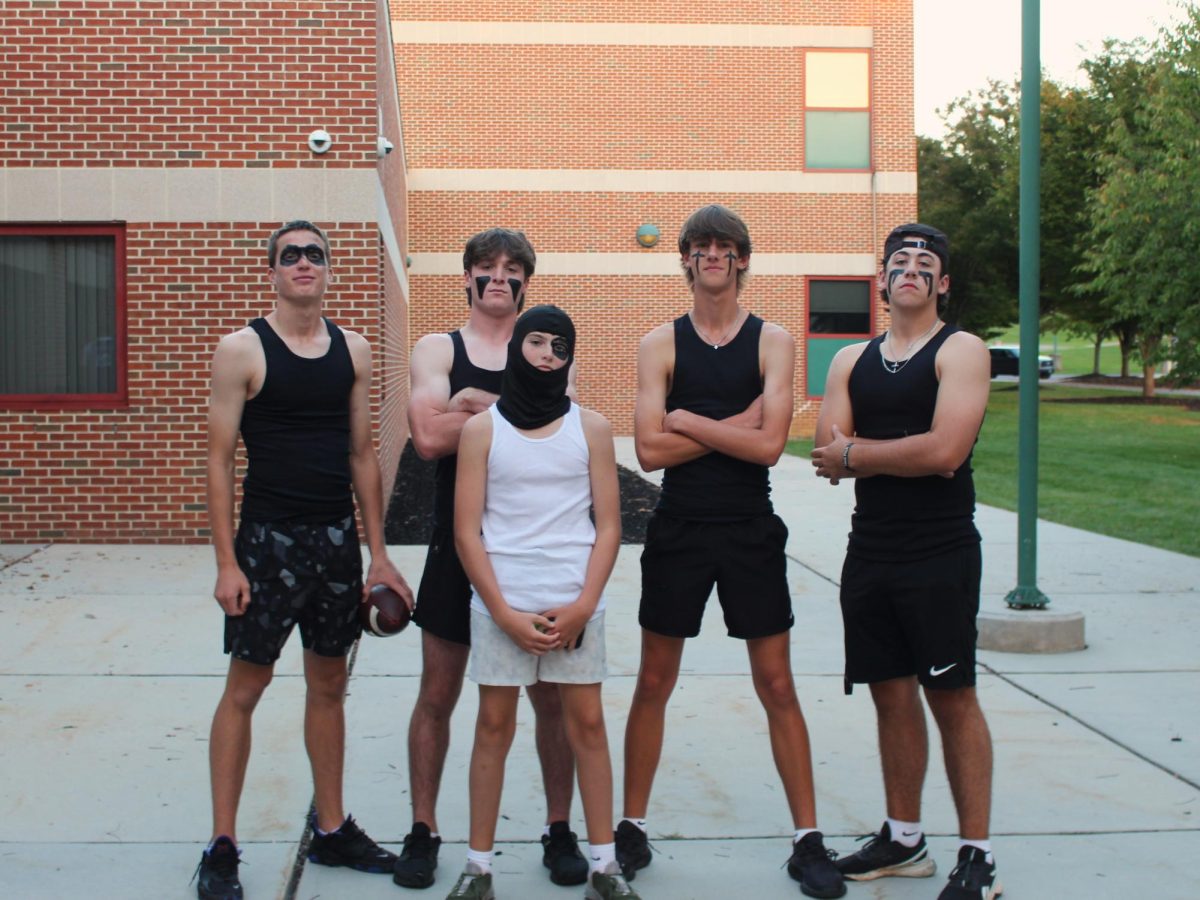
(384, 612)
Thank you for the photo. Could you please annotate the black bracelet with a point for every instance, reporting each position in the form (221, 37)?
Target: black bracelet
(846, 457)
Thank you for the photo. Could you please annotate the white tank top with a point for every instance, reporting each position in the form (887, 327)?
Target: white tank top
(536, 524)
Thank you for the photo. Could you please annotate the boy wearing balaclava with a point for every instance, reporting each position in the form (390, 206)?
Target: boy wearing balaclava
(533, 471)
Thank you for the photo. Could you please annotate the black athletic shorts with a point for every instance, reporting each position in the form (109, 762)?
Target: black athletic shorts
(912, 618)
(444, 597)
(300, 574)
(683, 559)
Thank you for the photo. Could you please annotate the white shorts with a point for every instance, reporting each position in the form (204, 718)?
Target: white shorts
(497, 661)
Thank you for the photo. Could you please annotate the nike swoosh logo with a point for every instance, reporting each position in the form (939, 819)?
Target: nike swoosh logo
(935, 672)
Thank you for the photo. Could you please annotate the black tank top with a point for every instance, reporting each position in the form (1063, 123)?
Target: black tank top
(463, 374)
(896, 518)
(716, 383)
(297, 434)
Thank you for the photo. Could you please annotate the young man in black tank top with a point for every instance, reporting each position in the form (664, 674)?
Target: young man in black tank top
(714, 405)
(901, 414)
(297, 387)
(454, 376)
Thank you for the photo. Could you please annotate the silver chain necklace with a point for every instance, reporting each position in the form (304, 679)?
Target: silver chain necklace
(717, 345)
(894, 367)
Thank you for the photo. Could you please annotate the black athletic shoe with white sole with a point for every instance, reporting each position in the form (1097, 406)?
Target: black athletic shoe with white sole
(812, 865)
(974, 878)
(881, 857)
(349, 846)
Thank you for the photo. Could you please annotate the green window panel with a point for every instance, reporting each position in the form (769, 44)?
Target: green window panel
(837, 140)
(819, 355)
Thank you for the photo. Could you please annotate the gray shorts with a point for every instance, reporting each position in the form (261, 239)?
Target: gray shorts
(497, 661)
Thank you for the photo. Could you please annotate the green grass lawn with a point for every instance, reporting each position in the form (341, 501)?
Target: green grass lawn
(1125, 471)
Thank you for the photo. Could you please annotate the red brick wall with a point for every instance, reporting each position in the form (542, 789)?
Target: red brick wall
(137, 474)
(178, 83)
(391, 352)
(234, 84)
(634, 107)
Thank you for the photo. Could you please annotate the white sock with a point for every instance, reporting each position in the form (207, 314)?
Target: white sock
(546, 830)
(601, 855)
(481, 858)
(640, 823)
(800, 833)
(907, 834)
(985, 846)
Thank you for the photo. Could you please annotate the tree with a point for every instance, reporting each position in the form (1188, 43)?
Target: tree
(961, 192)
(1144, 241)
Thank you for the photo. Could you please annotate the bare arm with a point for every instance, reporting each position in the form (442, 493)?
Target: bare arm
(964, 373)
(365, 476)
(656, 447)
(435, 419)
(571, 619)
(762, 444)
(232, 369)
(529, 631)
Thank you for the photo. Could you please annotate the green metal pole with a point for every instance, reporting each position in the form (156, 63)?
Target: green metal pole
(1026, 594)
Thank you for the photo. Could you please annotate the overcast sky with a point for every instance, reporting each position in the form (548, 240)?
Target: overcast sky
(960, 44)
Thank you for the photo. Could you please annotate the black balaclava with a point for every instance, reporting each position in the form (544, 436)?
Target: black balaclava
(529, 397)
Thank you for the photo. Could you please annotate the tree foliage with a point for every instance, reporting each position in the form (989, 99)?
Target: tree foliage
(1143, 255)
(1120, 195)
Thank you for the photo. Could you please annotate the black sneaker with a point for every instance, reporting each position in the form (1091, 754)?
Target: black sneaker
(560, 854)
(349, 846)
(974, 878)
(881, 856)
(218, 872)
(812, 865)
(633, 849)
(418, 860)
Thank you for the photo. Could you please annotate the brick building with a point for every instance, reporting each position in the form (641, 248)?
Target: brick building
(149, 147)
(579, 121)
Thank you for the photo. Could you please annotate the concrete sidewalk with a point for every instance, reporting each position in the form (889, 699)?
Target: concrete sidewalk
(110, 667)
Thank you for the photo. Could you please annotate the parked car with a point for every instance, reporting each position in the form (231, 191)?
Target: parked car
(1006, 361)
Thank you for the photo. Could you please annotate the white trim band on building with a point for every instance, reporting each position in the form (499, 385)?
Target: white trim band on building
(659, 263)
(671, 181)
(630, 34)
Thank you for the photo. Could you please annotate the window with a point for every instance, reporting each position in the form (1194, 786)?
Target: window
(62, 316)
(841, 306)
(839, 313)
(837, 110)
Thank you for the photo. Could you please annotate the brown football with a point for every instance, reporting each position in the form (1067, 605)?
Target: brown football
(384, 612)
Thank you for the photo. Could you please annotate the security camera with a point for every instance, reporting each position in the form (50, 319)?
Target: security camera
(319, 141)
(384, 146)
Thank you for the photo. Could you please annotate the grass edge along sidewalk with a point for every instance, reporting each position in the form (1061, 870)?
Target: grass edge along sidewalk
(1124, 470)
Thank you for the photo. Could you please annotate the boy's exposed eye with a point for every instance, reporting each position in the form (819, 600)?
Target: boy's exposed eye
(558, 346)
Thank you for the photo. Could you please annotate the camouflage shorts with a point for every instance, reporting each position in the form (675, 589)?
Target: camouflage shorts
(300, 574)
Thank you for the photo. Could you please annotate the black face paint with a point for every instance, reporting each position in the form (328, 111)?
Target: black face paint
(732, 257)
(897, 273)
(558, 346)
(514, 285)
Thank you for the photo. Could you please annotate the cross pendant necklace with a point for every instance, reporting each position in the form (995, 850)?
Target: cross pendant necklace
(892, 367)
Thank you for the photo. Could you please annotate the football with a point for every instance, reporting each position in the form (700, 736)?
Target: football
(384, 612)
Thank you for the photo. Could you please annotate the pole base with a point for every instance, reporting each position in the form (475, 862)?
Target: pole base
(1031, 631)
(1026, 598)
